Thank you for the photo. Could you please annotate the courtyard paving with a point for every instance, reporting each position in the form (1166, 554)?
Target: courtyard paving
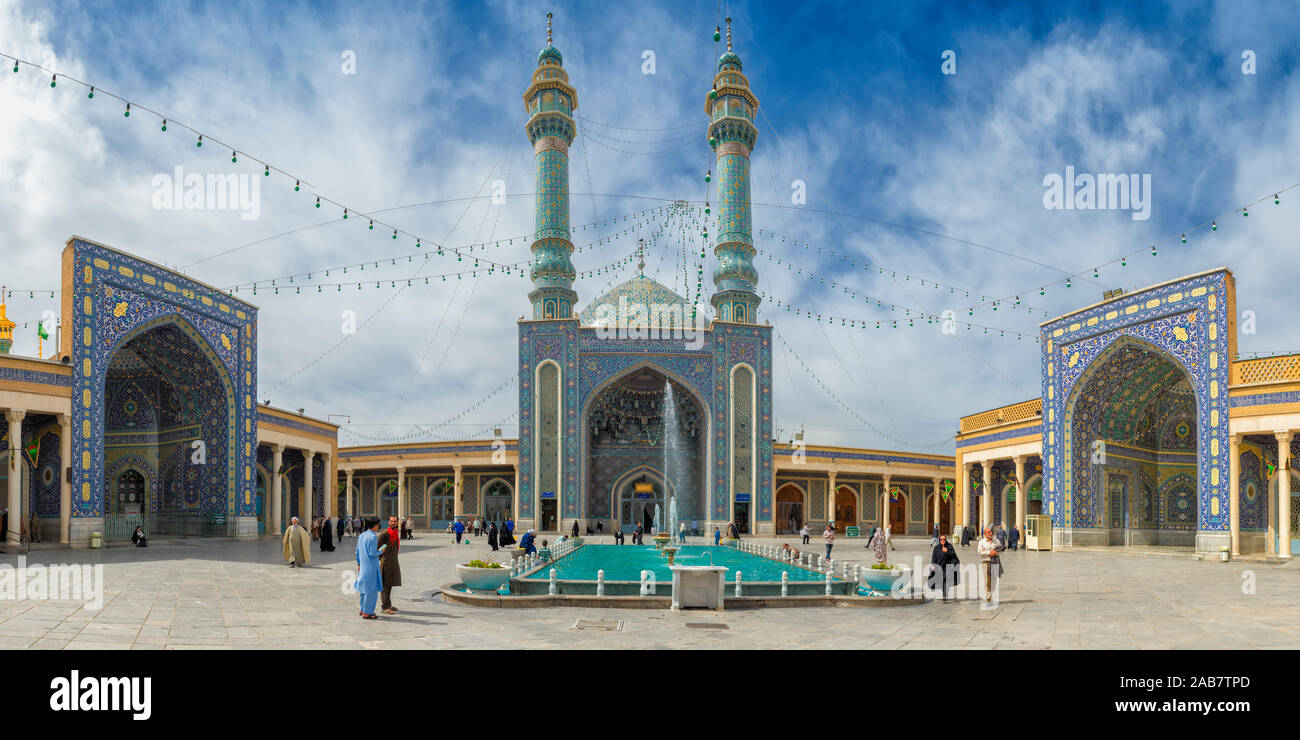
(234, 595)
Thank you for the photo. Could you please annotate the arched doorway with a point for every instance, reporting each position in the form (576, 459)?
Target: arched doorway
(497, 495)
(945, 515)
(1133, 406)
(387, 493)
(1009, 505)
(640, 494)
(644, 423)
(1035, 495)
(896, 498)
(1274, 513)
(442, 503)
(846, 508)
(168, 408)
(790, 502)
(129, 500)
(261, 500)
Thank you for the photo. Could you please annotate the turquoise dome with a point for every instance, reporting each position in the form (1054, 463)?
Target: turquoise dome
(550, 52)
(643, 301)
(729, 60)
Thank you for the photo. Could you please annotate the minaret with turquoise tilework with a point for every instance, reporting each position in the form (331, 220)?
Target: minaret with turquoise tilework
(731, 108)
(550, 101)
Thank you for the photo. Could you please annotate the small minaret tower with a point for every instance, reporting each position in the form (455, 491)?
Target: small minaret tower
(731, 108)
(6, 326)
(550, 101)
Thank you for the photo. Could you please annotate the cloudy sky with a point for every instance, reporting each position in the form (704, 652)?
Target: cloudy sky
(927, 176)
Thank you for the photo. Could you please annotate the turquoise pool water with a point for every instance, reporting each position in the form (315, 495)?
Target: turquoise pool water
(625, 563)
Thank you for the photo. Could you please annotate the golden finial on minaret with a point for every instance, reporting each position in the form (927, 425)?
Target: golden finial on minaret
(728, 34)
(548, 29)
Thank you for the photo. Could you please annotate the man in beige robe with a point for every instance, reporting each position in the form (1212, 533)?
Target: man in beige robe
(297, 544)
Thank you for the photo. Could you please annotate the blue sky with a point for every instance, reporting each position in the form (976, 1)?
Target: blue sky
(854, 104)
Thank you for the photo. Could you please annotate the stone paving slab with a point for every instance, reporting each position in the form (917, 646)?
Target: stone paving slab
(195, 594)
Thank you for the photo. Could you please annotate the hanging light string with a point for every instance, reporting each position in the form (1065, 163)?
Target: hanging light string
(388, 301)
(893, 274)
(911, 319)
(1176, 239)
(235, 151)
(485, 431)
(413, 280)
(522, 238)
(1090, 275)
(834, 397)
(591, 121)
(423, 429)
(410, 256)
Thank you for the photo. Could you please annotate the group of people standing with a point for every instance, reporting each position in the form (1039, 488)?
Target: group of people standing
(378, 568)
(499, 534)
(1008, 539)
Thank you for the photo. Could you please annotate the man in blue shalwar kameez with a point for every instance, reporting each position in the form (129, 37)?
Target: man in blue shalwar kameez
(369, 577)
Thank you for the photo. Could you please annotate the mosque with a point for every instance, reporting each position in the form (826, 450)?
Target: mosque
(1148, 431)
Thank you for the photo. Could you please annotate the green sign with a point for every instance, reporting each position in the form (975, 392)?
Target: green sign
(851, 532)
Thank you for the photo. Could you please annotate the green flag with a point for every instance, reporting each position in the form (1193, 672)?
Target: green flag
(34, 451)
(40, 330)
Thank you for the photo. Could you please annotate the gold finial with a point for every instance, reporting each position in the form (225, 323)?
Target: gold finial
(548, 29)
(728, 34)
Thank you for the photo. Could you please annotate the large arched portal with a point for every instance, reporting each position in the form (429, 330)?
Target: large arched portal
(1132, 448)
(168, 430)
(644, 421)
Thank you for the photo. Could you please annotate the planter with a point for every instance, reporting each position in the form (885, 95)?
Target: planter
(661, 539)
(482, 579)
(671, 552)
(885, 581)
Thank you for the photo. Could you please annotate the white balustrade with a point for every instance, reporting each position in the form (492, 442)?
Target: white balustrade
(552, 589)
(600, 582)
(785, 583)
(738, 583)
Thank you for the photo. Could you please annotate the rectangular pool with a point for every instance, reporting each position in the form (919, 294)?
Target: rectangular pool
(624, 563)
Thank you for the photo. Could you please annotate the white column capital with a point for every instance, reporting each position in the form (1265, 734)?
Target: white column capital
(15, 415)
(65, 420)
(277, 448)
(1284, 436)
(308, 455)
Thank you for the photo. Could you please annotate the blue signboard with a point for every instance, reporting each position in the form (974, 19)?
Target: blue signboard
(548, 494)
(643, 495)
(742, 498)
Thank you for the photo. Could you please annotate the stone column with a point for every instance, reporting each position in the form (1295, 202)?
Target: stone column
(830, 498)
(401, 492)
(986, 501)
(13, 537)
(514, 500)
(328, 482)
(1284, 494)
(308, 508)
(65, 481)
(1022, 495)
(1234, 492)
(458, 508)
(884, 501)
(277, 460)
(963, 493)
(937, 522)
(348, 492)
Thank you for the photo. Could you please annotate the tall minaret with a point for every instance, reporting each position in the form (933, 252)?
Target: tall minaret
(550, 101)
(731, 108)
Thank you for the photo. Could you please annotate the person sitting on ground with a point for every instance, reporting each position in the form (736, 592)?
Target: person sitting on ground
(544, 554)
(138, 537)
(786, 548)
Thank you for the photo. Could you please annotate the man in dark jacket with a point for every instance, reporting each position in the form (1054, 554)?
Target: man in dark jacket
(389, 568)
